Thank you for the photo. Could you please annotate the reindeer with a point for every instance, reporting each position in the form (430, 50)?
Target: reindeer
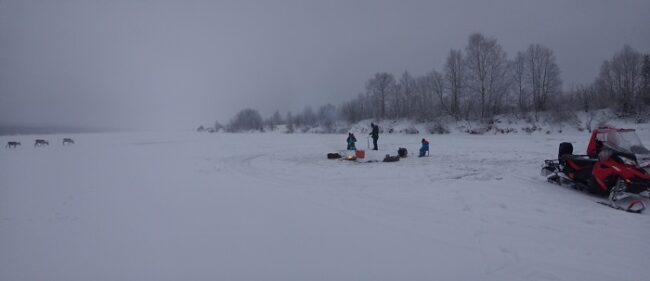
(40, 142)
(12, 144)
(67, 141)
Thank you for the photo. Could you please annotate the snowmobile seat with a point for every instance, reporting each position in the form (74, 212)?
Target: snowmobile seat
(582, 161)
(566, 148)
(578, 167)
(565, 152)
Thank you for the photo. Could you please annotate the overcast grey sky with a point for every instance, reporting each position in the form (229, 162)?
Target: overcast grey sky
(176, 64)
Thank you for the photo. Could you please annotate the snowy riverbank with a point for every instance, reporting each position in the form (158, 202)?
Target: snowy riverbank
(191, 206)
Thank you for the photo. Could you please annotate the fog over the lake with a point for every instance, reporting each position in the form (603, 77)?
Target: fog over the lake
(177, 64)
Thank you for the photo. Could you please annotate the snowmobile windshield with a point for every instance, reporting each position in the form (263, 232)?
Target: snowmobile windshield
(627, 141)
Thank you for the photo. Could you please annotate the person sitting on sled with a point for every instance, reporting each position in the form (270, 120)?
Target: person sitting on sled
(351, 141)
(424, 148)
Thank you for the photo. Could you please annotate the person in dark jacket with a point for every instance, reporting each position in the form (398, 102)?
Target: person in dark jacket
(351, 140)
(374, 134)
(424, 148)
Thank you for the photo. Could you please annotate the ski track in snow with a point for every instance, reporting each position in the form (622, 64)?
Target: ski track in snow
(191, 206)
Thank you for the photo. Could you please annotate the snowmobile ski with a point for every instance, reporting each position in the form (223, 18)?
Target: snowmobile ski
(635, 207)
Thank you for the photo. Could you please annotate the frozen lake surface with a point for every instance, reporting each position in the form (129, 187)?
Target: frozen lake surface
(190, 206)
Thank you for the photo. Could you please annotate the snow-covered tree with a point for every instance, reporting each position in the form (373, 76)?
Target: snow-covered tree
(246, 119)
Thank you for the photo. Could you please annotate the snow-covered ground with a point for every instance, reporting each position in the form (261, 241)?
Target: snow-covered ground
(191, 206)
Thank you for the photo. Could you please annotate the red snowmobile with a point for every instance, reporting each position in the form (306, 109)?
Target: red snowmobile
(617, 165)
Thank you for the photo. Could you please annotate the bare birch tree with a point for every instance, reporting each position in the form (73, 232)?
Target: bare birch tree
(405, 96)
(621, 77)
(519, 82)
(645, 80)
(428, 88)
(455, 81)
(543, 76)
(487, 68)
(379, 88)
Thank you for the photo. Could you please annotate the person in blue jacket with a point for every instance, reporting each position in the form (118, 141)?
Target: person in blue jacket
(424, 148)
(351, 141)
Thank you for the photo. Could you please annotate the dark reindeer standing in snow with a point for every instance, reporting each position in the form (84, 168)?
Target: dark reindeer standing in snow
(40, 142)
(12, 144)
(67, 141)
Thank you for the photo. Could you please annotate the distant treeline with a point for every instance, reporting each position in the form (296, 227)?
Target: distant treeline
(477, 83)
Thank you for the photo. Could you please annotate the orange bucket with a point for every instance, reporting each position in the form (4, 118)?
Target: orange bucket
(360, 154)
